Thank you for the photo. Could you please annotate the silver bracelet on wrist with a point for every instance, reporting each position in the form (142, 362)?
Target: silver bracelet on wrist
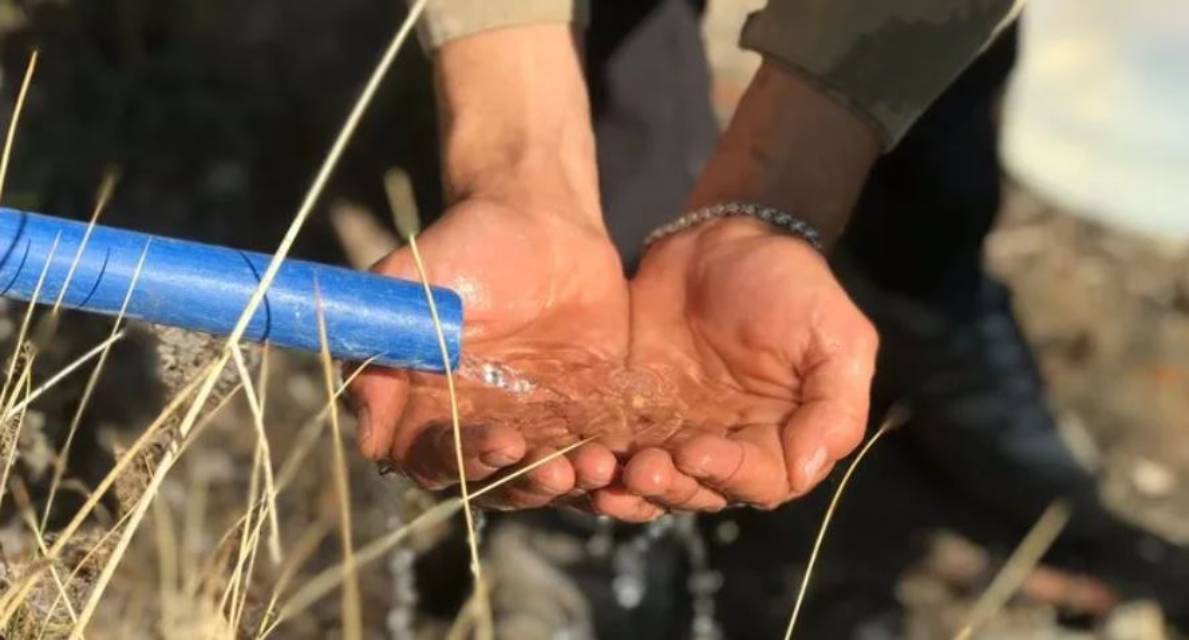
(786, 222)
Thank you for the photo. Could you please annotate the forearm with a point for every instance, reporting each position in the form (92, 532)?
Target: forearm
(792, 146)
(515, 119)
(887, 60)
(842, 80)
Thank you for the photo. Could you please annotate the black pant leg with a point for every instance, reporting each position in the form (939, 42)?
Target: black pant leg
(919, 226)
(654, 124)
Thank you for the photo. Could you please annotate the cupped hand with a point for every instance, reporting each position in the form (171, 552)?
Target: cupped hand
(546, 318)
(771, 366)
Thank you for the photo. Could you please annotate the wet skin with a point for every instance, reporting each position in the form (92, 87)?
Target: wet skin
(731, 369)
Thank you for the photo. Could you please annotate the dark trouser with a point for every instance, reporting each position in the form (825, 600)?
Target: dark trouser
(650, 95)
(919, 226)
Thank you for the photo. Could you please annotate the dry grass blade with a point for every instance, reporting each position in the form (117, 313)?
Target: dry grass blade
(30, 68)
(25, 506)
(12, 436)
(302, 550)
(19, 344)
(256, 407)
(307, 205)
(308, 435)
(237, 333)
(496, 484)
(465, 620)
(482, 606)
(401, 202)
(896, 416)
(249, 539)
(136, 516)
(317, 587)
(79, 566)
(352, 607)
(204, 386)
(328, 165)
(11, 600)
(62, 374)
(166, 539)
(326, 581)
(16, 118)
(239, 608)
(193, 531)
(106, 188)
(306, 438)
(131, 454)
(208, 383)
(64, 454)
(1022, 561)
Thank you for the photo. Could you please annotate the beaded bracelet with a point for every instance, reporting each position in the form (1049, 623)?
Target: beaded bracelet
(784, 221)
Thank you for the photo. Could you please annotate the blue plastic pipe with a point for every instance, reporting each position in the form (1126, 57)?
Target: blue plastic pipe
(205, 288)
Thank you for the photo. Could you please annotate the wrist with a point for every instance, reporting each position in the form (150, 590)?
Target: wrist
(515, 120)
(793, 147)
(712, 238)
(781, 220)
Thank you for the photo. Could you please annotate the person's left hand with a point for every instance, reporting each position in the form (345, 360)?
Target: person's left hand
(769, 361)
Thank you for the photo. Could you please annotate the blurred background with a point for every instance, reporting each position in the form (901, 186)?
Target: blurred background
(215, 115)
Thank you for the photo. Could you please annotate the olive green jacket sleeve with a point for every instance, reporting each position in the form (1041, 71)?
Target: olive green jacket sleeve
(888, 59)
(445, 20)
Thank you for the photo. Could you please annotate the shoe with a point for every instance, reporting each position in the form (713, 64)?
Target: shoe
(980, 417)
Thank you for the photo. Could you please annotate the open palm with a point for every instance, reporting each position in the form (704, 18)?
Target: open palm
(772, 366)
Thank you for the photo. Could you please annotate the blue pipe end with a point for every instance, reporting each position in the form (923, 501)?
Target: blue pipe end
(205, 287)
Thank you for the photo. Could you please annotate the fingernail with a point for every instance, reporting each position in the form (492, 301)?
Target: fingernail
(812, 467)
(497, 458)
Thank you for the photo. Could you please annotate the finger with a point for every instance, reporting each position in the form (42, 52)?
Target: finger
(594, 466)
(651, 473)
(379, 396)
(747, 466)
(537, 488)
(808, 451)
(831, 420)
(398, 264)
(617, 502)
(431, 459)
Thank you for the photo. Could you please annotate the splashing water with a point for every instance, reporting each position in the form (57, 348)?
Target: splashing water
(495, 375)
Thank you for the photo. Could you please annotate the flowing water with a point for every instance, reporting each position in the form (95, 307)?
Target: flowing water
(556, 402)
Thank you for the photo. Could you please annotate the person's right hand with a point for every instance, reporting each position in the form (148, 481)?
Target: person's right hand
(545, 306)
(545, 302)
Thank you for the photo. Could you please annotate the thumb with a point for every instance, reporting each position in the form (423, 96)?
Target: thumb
(832, 417)
(380, 396)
